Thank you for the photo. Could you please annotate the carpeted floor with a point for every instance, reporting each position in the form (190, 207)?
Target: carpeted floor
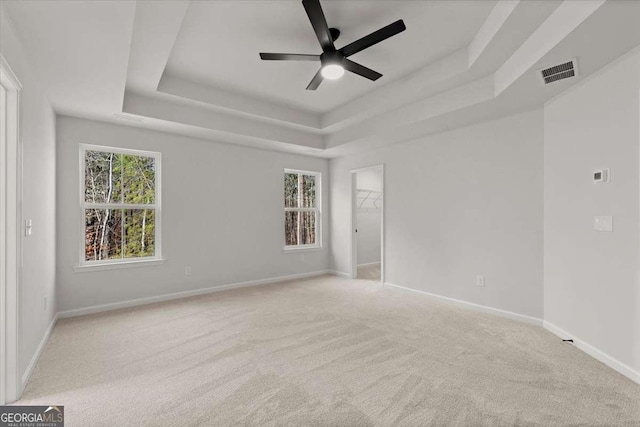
(322, 352)
(369, 272)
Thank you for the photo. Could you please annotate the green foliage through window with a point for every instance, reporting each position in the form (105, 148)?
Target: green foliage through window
(301, 208)
(119, 205)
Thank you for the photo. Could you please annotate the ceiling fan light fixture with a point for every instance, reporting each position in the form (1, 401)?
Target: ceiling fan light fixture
(332, 71)
(334, 62)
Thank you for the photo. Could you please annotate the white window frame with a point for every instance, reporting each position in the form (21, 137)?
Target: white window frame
(85, 265)
(317, 210)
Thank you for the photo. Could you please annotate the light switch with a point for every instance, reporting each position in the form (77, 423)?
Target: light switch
(28, 227)
(603, 223)
(601, 175)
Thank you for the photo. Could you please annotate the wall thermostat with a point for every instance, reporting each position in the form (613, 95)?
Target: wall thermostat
(601, 175)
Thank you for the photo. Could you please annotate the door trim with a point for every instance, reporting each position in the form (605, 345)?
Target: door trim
(11, 247)
(353, 211)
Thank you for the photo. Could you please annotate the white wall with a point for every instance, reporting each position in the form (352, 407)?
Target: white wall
(37, 130)
(591, 287)
(222, 214)
(457, 205)
(369, 221)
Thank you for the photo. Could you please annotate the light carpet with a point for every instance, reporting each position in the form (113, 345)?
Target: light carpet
(369, 272)
(322, 352)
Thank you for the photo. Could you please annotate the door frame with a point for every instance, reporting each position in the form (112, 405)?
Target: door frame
(11, 229)
(353, 221)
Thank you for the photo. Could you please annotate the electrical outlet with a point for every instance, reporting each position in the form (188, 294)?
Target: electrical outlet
(603, 223)
(480, 281)
(187, 271)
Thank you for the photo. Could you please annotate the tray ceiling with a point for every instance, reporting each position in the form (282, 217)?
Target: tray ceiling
(193, 67)
(218, 45)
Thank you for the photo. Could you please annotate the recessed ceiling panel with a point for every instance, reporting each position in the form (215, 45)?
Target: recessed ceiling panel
(219, 42)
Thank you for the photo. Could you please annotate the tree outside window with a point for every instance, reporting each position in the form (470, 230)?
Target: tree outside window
(120, 205)
(301, 208)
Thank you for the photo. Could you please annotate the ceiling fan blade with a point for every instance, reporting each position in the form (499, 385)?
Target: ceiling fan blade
(315, 82)
(373, 38)
(319, 24)
(288, 57)
(361, 70)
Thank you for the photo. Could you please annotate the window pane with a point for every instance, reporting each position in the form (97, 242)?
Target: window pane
(139, 230)
(291, 190)
(139, 177)
(103, 177)
(291, 225)
(103, 234)
(308, 191)
(308, 230)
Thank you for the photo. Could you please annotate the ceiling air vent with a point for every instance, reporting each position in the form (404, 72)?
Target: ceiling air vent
(559, 72)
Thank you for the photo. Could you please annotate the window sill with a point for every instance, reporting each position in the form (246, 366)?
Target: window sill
(85, 268)
(302, 248)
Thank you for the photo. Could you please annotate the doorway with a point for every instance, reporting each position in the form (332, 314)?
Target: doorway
(367, 219)
(10, 244)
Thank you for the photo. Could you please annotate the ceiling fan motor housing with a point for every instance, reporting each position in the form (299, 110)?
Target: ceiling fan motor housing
(335, 33)
(330, 58)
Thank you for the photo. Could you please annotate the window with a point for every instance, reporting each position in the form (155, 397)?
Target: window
(120, 205)
(301, 209)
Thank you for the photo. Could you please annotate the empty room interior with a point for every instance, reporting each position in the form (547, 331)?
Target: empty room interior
(320, 213)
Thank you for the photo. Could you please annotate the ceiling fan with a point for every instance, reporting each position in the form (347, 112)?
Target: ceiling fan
(334, 62)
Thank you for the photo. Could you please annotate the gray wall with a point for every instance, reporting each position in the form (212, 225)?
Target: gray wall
(37, 132)
(591, 287)
(457, 205)
(222, 214)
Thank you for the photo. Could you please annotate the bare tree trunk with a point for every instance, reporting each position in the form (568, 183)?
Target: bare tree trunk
(300, 203)
(94, 238)
(107, 211)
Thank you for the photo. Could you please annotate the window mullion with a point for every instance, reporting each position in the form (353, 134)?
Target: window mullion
(118, 206)
(300, 209)
(122, 242)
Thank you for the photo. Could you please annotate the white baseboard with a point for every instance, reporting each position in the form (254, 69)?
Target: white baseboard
(582, 345)
(340, 274)
(367, 264)
(150, 300)
(185, 294)
(597, 354)
(592, 351)
(36, 354)
(477, 307)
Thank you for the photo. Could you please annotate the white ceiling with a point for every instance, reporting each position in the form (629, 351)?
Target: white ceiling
(193, 67)
(79, 48)
(219, 42)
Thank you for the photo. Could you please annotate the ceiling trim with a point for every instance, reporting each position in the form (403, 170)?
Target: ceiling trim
(155, 29)
(174, 110)
(442, 103)
(233, 101)
(553, 30)
(492, 25)
(397, 93)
